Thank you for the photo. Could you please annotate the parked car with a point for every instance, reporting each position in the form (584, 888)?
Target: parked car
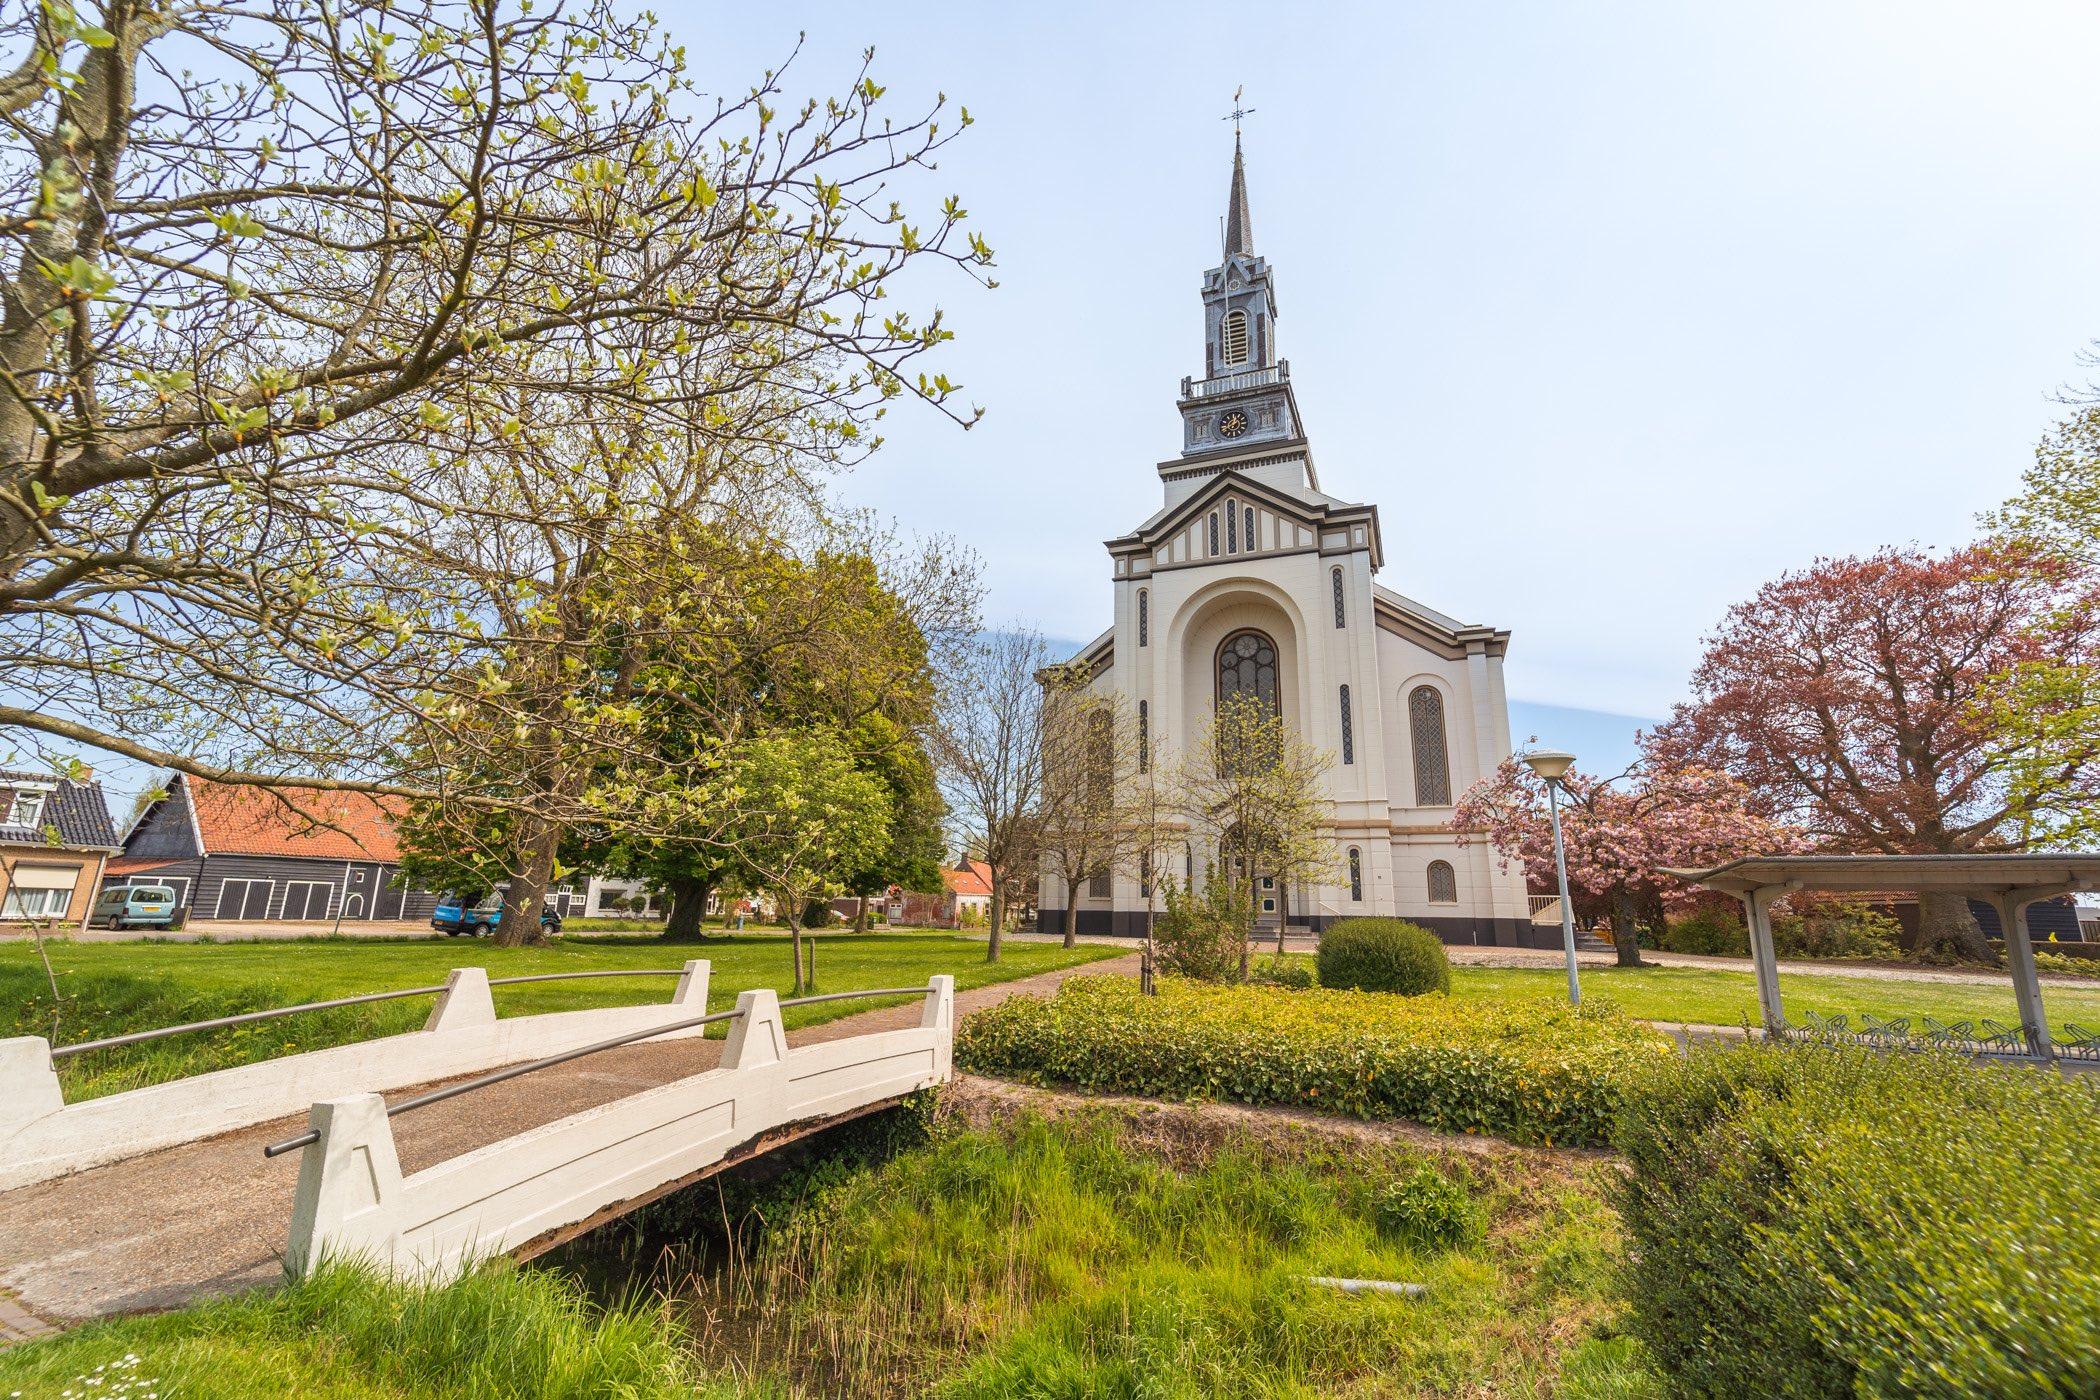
(454, 917)
(134, 906)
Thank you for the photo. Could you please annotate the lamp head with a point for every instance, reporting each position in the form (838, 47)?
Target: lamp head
(1550, 764)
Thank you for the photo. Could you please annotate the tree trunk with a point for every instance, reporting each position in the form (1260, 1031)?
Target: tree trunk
(1283, 913)
(1071, 912)
(526, 894)
(1948, 932)
(687, 922)
(995, 917)
(1625, 933)
(860, 916)
(794, 940)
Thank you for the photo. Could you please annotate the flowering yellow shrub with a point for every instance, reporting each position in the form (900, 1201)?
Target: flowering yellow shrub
(1529, 1069)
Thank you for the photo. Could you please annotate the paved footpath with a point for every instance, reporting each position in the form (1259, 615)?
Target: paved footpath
(212, 1217)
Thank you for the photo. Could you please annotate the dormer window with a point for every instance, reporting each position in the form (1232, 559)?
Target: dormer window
(25, 809)
(1233, 338)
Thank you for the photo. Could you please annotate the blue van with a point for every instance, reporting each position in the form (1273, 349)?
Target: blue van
(134, 906)
(454, 916)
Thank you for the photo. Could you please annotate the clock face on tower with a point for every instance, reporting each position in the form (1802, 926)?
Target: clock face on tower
(1232, 424)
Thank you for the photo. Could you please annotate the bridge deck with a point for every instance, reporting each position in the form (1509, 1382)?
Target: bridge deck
(213, 1217)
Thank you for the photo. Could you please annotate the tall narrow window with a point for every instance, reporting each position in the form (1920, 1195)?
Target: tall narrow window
(1145, 875)
(1213, 532)
(1425, 724)
(1356, 876)
(1232, 528)
(1251, 545)
(1144, 736)
(1097, 885)
(1443, 883)
(1235, 337)
(1348, 730)
(1145, 618)
(1340, 619)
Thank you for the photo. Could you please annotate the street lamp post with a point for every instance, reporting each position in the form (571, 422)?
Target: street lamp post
(1551, 765)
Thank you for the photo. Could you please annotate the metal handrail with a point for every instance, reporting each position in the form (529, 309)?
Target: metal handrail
(220, 1022)
(313, 1135)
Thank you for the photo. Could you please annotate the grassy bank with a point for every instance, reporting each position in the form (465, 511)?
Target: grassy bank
(110, 988)
(1151, 1255)
(346, 1336)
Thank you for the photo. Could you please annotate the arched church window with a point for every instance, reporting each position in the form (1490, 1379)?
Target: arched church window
(1144, 618)
(1348, 730)
(1247, 666)
(1213, 532)
(1250, 529)
(1234, 336)
(1356, 876)
(1425, 724)
(1232, 527)
(1443, 883)
(1339, 619)
(1097, 885)
(1144, 736)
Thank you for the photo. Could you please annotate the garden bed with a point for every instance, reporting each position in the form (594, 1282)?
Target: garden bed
(1533, 1070)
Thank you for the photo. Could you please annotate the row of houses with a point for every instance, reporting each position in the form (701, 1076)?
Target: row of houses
(252, 854)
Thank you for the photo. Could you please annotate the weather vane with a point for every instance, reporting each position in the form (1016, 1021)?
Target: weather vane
(1237, 110)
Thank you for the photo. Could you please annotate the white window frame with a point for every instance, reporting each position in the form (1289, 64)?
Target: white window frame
(34, 803)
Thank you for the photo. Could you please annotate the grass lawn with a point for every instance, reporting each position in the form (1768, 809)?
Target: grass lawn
(1711, 997)
(110, 988)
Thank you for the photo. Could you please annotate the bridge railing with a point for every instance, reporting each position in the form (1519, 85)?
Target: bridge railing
(42, 1136)
(529, 1191)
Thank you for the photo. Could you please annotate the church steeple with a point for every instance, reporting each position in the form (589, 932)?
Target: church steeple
(1243, 396)
(1239, 223)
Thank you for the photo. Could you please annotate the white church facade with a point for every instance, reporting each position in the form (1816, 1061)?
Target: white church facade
(1250, 577)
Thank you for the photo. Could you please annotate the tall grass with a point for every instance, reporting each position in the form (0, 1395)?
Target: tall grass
(345, 1333)
(1064, 1258)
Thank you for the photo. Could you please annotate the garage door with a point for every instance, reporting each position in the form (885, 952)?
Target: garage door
(306, 899)
(243, 899)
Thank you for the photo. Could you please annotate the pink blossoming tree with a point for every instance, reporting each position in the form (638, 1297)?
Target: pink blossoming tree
(1619, 832)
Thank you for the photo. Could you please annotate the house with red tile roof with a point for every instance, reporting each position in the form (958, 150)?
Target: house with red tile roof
(290, 853)
(965, 897)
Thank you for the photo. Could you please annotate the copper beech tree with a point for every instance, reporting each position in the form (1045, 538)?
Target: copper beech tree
(1619, 833)
(288, 281)
(1852, 699)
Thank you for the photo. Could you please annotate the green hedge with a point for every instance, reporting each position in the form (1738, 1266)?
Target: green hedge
(1809, 1221)
(1533, 1070)
(1383, 955)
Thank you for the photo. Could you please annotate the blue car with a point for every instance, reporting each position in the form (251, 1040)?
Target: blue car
(454, 917)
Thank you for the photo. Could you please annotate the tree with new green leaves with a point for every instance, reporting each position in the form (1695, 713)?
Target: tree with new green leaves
(1256, 793)
(805, 813)
(255, 322)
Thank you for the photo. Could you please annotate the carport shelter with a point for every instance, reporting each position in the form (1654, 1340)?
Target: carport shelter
(2008, 883)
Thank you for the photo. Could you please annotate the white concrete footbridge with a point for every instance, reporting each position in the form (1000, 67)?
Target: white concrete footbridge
(519, 1133)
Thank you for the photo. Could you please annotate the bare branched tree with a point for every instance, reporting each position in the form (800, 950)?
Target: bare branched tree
(1089, 826)
(989, 745)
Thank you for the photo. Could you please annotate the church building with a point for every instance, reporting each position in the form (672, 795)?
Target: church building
(1251, 578)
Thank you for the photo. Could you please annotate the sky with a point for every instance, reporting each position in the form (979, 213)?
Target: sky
(1616, 311)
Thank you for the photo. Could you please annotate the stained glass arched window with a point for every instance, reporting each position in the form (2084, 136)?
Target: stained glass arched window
(1251, 545)
(1356, 875)
(1339, 619)
(1348, 730)
(1443, 883)
(1144, 617)
(1213, 532)
(1232, 527)
(1247, 666)
(1144, 736)
(1425, 724)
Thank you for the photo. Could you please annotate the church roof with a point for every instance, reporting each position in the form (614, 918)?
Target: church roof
(1239, 221)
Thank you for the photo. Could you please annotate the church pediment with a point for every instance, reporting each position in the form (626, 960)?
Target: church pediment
(1234, 515)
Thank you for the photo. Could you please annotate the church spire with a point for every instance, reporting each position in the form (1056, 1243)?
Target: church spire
(1239, 223)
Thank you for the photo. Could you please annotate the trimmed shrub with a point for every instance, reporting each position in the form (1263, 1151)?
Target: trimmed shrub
(1200, 932)
(1533, 1069)
(1711, 932)
(1808, 1221)
(1836, 929)
(1428, 1211)
(1383, 955)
